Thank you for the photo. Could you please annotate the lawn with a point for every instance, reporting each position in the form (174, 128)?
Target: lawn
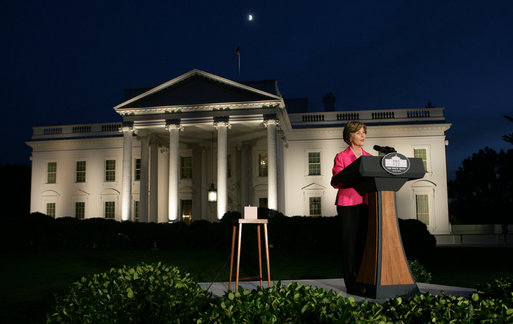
(30, 279)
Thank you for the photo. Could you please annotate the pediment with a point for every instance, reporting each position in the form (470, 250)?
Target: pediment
(313, 186)
(196, 88)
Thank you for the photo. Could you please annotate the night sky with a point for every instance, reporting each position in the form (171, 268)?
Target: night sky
(67, 62)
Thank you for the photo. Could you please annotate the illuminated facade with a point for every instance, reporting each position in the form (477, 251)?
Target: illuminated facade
(178, 139)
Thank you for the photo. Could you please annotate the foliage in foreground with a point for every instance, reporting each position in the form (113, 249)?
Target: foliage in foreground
(296, 303)
(153, 293)
(419, 273)
(157, 294)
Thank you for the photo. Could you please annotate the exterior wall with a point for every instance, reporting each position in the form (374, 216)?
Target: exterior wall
(65, 192)
(296, 186)
(299, 186)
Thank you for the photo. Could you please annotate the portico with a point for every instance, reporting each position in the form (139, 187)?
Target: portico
(166, 122)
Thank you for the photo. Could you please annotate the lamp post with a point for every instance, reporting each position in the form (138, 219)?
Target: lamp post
(212, 191)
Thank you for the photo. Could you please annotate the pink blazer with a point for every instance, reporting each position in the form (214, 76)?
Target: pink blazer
(346, 196)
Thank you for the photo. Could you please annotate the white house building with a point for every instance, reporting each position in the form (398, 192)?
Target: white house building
(197, 131)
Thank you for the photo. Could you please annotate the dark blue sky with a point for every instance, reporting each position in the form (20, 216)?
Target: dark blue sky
(68, 62)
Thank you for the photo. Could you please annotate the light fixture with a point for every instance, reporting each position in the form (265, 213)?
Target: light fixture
(212, 192)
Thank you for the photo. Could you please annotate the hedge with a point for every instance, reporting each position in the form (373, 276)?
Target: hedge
(160, 294)
(40, 232)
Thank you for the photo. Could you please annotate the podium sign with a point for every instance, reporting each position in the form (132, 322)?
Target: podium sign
(384, 272)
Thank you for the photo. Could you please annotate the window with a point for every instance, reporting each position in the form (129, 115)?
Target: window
(262, 165)
(110, 209)
(110, 170)
(136, 210)
(421, 153)
(186, 167)
(314, 163)
(315, 206)
(422, 208)
(80, 171)
(80, 210)
(262, 202)
(52, 172)
(50, 209)
(137, 174)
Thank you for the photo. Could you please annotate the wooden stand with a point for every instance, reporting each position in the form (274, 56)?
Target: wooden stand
(384, 271)
(259, 223)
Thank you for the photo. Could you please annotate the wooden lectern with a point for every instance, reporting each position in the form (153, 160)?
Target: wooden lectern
(384, 272)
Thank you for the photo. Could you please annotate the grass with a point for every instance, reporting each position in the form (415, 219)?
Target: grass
(30, 279)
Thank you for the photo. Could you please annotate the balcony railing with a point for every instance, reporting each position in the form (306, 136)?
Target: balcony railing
(67, 131)
(381, 116)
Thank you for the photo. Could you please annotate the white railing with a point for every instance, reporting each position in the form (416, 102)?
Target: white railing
(368, 116)
(66, 131)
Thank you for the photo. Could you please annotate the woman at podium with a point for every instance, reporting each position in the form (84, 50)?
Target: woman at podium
(352, 206)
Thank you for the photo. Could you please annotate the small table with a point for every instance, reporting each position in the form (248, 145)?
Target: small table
(259, 223)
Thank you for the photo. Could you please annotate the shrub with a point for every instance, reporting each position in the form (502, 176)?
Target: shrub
(501, 289)
(294, 303)
(153, 293)
(157, 294)
(417, 240)
(447, 309)
(419, 272)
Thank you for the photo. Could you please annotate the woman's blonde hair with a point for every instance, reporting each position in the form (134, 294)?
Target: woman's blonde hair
(352, 127)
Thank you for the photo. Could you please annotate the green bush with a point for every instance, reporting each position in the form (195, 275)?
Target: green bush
(419, 272)
(153, 293)
(447, 309)
(158, 294)
(294, 303)
(501, 289)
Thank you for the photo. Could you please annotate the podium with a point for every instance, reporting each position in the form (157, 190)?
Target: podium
(384, 272)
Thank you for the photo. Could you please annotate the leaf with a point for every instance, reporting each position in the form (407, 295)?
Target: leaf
(475, 297)
(129, 292)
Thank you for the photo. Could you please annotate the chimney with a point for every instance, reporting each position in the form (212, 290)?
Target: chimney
(329, 102)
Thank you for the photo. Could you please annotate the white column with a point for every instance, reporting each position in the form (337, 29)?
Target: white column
(143, 183)
(154, 184)
(244, 175)
(204, 185)
(126, 189)
(163, 202)
(174, 137)
(222, 165)
(272, 176)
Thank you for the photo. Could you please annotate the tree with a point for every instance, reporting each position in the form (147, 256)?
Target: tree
(14, 190)
(482, 190)
(508, 137)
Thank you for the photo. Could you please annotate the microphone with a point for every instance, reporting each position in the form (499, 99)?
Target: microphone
(384, 149)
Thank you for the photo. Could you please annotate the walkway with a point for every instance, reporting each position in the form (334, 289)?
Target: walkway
(219, 288)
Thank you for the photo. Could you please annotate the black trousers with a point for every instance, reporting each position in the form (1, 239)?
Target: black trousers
(354, 221)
